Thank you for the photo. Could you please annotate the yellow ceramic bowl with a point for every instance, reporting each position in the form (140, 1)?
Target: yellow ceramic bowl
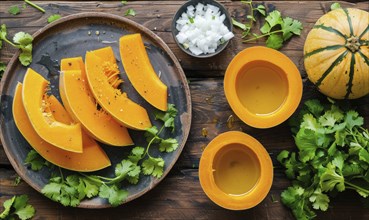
(235, 171)
(262, 86)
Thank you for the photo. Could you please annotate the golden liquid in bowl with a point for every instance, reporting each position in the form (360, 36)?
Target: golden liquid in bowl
(236, 169)
(261, 87)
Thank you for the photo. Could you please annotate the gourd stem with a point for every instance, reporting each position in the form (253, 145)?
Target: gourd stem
(353, 44)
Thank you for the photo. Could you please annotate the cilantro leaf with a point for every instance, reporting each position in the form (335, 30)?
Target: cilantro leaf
(17, 205)
(168, 145)
(274, 18)
(7, 206)
(130, 12)
(134, 174)
(153, 166)
(319, 200)
(168, 116)
(22, 38)
(14, 10)
(23, 41)
(114, 195)
(261, 9)
(294, 198)
(53, 18)
(90, 189)
(22, 209)
(35, 160)
(265, 28)
(151, 133)
(353, 119)
(330, 179)
(274, 41)
(289, 27)
(314, 107)
(123, 2)
(239, 24)
(63, 191)
(136, 154)
(306, 143)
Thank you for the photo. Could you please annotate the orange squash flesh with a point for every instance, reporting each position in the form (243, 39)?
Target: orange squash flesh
(81, 105)
(140, 71)
(93, 157)
(65, 136)
(112, 100)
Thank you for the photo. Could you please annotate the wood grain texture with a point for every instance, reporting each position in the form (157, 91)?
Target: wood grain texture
(179, 195)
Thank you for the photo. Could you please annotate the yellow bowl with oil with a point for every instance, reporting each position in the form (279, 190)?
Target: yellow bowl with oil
(235, 171)
(262, 86)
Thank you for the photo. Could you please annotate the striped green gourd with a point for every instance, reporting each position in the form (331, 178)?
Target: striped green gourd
(336, 54)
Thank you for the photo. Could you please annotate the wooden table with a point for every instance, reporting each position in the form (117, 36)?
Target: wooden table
(179, 195)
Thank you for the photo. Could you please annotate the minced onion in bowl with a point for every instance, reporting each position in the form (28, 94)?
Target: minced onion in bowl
(201, 29)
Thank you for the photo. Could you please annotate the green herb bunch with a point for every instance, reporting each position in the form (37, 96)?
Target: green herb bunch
(21, 40)
(332, 156)
(72, 189)
(17, 206)
(276, 29)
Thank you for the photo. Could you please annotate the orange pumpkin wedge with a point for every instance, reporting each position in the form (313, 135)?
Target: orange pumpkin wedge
(93, 157)
(81, 105)
(65, 136)
(140, 71)
(111, 99)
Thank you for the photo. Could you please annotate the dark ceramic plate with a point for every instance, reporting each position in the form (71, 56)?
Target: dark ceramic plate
(72, 36)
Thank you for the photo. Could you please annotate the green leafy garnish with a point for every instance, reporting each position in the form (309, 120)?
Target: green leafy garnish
(14, 10)
(130, 12)
(70, 191)
(246, 27)
(332, 156)
(123, 2)
(17, 206)
(53, 17)
(335, 6)
(276, 28)
(35, 6)
(23, 41)
(35, 160)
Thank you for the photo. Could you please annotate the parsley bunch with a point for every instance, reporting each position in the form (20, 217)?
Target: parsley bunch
(21, 40)
(17, 206)
(71, 190)
(333, 155)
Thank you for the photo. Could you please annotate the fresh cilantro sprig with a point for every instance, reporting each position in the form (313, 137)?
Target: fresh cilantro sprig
(277, 30)
(35, 161)
(17, 206)
(21, 40)
(71, 190)
(246, 27)
(333, 155)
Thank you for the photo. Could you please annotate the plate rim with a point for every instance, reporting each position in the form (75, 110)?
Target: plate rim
(186, 117)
